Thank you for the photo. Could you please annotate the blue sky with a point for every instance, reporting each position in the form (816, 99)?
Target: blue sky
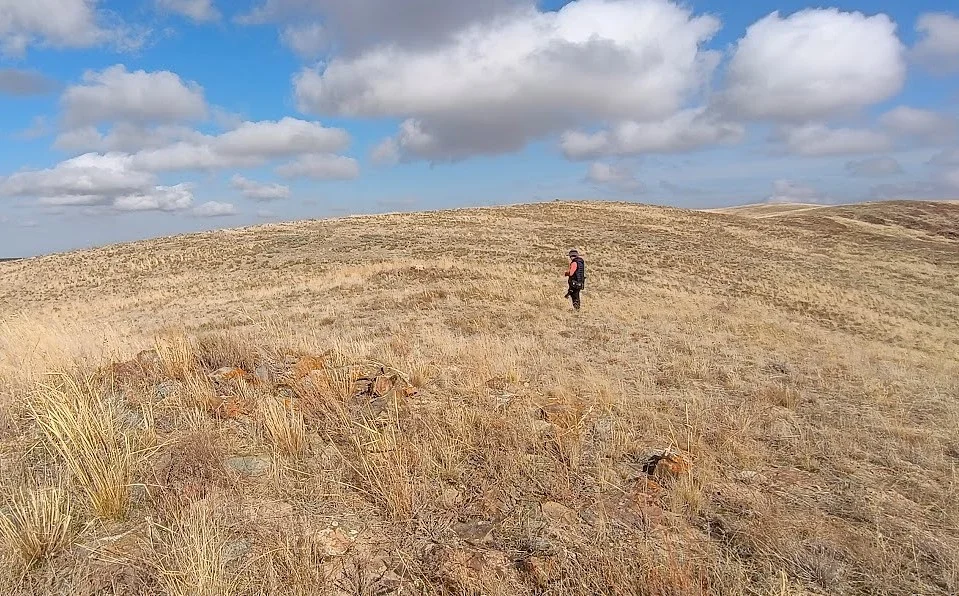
(130, 119)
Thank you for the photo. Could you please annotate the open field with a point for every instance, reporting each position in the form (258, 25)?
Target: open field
(405, 404)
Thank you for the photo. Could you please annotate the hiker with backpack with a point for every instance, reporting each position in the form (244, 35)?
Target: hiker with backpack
(577, 277)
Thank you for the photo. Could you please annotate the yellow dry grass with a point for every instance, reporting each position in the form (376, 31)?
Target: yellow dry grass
(405, 404)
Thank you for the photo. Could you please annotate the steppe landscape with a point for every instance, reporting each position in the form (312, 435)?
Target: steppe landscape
(758, 400)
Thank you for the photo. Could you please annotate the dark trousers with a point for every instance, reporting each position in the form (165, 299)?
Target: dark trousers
(573, 294)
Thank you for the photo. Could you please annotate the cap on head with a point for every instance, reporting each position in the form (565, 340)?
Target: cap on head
(574, 253)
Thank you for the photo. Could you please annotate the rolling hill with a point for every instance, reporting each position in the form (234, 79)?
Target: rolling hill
(750, 402)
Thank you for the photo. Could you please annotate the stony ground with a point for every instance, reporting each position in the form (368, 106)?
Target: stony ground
(751, 402)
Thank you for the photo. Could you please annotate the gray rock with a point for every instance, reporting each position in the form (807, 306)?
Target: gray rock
(169, 388)
(250, 465)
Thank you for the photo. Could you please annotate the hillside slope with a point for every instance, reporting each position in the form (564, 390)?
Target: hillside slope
(405, 404)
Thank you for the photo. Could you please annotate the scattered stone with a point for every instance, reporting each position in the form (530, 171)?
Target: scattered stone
(332, 542)
(477, 532)
(562, 415)
(558, 514)
(229, 373)
(250, 465)
(450, 497)
(168, 388)
(233, 551)
(307, 364)
(263, 374)
(666, 464)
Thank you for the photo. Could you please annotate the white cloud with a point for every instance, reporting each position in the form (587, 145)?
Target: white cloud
(356, 24)
(250, 144)
(925, 125)
(538, 72)
(124, 137)
(321, 167)
(108, 180)
(141, 97)
(386, 153)
(815, 140)
(289, 136)
(258, 191)
(214, 209)
(874, 167)
(85, 175)
(160, 198)
(619, 177)
(198, 10)
(307, 41)
(813, 64)
(787, 191)
(683, 131)
(938, 46)
(59, 24)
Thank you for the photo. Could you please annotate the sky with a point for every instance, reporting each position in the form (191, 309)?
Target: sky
(128, 119)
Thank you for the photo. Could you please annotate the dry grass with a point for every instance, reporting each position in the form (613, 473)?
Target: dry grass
(352, 407)
(36, 524)
(82, 429)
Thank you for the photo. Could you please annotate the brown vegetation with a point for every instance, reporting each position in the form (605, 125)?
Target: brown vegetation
(405, 404)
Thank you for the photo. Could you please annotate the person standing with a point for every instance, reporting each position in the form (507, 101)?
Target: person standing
(577, 277)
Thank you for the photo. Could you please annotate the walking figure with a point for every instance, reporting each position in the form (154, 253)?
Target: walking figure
(577, 277)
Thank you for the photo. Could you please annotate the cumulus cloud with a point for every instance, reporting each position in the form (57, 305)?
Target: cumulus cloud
(124, 137)
(683, 131)
(924, 125)
(159, 198)
(24, 83)
(167, 148)
(874, 167)
(813, 64)
(197, 10)
(357, 24)
(60, 24)
(386, 153)
(251, 144)
(141, 97)
(538, 72)
(788, 191)
(618, 177)
(108, 180)
(321, 167)
(307, 41)
(938, 46)
(817, 140)
(214, 209)
(259, 191)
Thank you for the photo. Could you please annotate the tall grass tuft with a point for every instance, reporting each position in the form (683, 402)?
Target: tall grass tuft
(284, 426)
(36, 524)
(83, 431)
(186, 553)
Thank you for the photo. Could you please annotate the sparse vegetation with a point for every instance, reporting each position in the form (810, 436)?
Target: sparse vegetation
(750, 403)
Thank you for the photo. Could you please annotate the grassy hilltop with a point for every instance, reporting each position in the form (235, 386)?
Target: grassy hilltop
(752, 401)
